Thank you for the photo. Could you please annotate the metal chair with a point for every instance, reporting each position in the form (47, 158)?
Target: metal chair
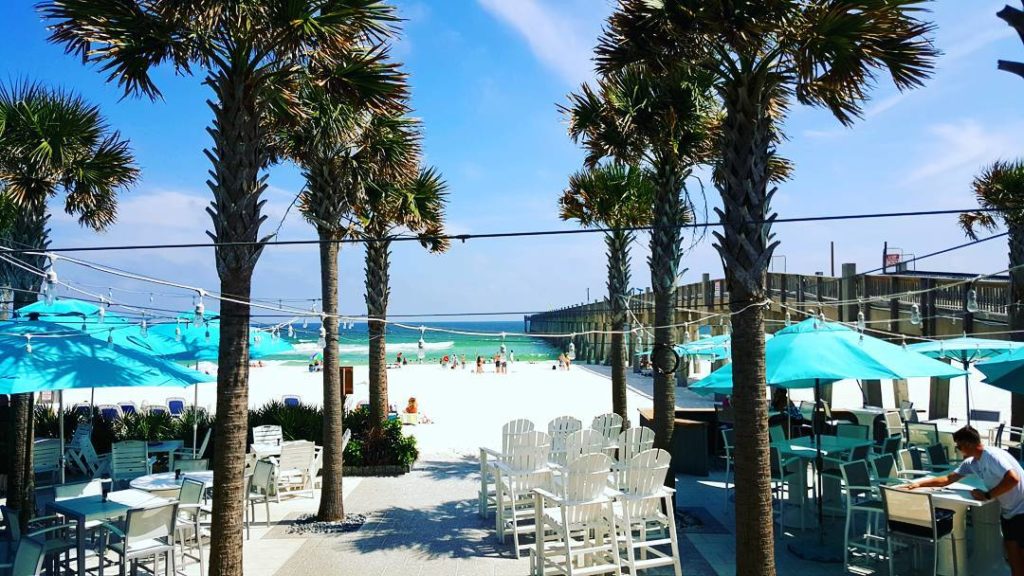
(147, 533)
(28, 559)
(262, 487)
(912, 515)
(189, 530)
(847, 430)
(861, 497)
(729, 443)
(191, 464)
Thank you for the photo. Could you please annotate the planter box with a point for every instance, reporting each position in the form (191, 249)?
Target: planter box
(385, 470)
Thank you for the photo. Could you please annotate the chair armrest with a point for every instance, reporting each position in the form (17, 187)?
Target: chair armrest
(50, 518)
(54, 528)
(111, 528)
(546, 495)
(490, 452)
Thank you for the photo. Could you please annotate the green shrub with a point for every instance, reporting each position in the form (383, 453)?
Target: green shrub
(386, 445)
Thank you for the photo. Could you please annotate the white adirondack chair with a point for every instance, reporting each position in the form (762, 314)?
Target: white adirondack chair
(295, 467)
(129, 459)
(639, 513)
(523, 470)
(609, 425)
(47, 458)
(559, 429)
(510, 433)
(186, 452)
(583, 442)
(267, 439)
(576, 532)
(82, 454)
(632, 442)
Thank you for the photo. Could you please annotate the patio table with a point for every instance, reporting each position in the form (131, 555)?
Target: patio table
(86, 508)
(165, 447)
(805, 449)
(166, 482)
(986, 554)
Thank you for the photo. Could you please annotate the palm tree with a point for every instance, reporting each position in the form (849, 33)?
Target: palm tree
(395, 203)
(1000, 192)
(760, 56)
(253, 56)
(618, 197)
(328, 144)
(666, 123)
(51, 142)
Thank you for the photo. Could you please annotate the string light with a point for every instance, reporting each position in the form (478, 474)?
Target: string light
(110, 338)
(177, 330)
(915, 315)
(28, 343)
(200, 310)
(789, 318)
(144, 328)
(972, 301)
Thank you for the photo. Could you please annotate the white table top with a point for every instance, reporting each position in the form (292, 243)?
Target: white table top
(165, 446)
(118, 503)
(806, 446)
(165, 481)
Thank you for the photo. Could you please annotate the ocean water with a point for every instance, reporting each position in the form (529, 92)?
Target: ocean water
(440, 339)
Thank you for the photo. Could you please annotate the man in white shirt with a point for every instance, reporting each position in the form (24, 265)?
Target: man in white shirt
(1002, 475)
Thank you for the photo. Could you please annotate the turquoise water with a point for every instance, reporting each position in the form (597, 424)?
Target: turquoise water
(481, 339)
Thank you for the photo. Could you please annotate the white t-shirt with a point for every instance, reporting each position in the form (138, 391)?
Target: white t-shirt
(991, 467)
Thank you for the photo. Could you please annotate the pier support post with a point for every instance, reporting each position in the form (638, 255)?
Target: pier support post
(848, 293)
(873, 393)
(900, 392)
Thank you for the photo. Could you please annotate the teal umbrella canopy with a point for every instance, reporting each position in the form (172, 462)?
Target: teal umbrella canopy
(965, 349)
(63, 358)
(201, 341)
(815, 350)
(108, 327)
(1005, 371)
(713, 348)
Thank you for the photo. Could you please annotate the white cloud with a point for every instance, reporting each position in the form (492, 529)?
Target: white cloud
(563, 40)
(963, 146)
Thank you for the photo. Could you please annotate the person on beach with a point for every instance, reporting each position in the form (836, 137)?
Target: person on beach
(511, 356)
(479, 364)
(497, 364)
(1002, 476)
(562, 361)
(463, 361)
(411, 407)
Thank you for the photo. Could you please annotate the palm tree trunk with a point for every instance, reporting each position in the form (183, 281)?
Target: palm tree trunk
(745, 250)
(664, 263)
(29, 229)
(378, 254)
(618, 242)
(237, 156)
(1015, 309)
(332, 507)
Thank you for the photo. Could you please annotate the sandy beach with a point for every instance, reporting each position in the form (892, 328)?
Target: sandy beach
(467, 409)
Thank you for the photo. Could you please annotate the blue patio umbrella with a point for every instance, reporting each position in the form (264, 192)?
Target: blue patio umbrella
(966, 350)
(815, 351)
(713, 348)
(201, 340)
(1005, 371)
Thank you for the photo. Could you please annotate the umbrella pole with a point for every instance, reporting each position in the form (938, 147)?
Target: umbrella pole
(60, 424)
(195, 420)
(818, 461)
(967, 390)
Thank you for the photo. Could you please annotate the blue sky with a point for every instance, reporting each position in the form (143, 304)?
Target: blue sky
(486, 76)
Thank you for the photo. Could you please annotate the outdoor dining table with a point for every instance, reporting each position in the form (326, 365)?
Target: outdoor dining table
(805, 448)
(165, 483)
(986, 553)
(87, 508)
(166, 447)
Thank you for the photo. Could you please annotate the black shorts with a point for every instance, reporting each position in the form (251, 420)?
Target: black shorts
(1013, 529)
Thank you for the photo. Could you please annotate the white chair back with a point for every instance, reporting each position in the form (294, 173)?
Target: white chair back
(583, 486)
(129, 459)
(634, 441)
(609, 425)
(263, 478)
(559, 429)
(511, 432)
(155, 523)
(908, 506)
(46, 456)
(191, 464)
(77, 490)
(640, 479)
(297, 455)
(584, 442)
(268, 434)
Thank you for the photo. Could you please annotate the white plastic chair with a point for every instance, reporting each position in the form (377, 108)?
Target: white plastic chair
(187, 452)
(524, 469)
(559, 429)
(584, 442)
(47, 458)
(609, 425)
(576, 528)
(639, 515)
(147, 533)
(129, 460)
(267, 437)
(261, 488)
(80, 452)
(632, 442)
(487, 497)
(295, 467)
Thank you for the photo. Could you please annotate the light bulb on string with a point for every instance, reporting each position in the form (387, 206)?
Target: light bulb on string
(972, 301)
(177, 331)
(200, 309)
(915, 315)
(110, 338)
(321, 341)
(144, 327)
(789, 318)
(861, 323)
(903, 342)
(102, 312)
(50, 286)
(110, 294)
(28, 343)
(686, 336)
(291, 331)
(207, 334)
(150, 297)
(84, 329)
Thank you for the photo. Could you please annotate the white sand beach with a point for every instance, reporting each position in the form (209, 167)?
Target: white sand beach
(467, 409)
